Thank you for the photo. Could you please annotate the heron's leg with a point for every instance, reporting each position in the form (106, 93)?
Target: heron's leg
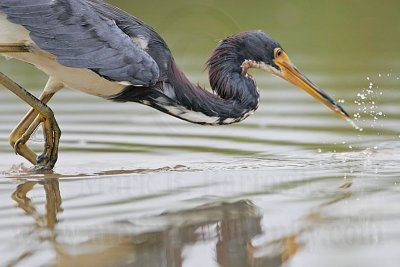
(21, 148)
(51, 128)
(13, 48)
(24, 130)
(21, 134)
(18, 138)
(52, 134)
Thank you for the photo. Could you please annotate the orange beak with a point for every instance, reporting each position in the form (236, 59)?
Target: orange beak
(290, 73)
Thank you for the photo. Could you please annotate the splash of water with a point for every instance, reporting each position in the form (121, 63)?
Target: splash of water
(355, 126)
(367, 104)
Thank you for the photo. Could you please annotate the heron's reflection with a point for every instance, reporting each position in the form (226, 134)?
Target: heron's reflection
(228, 227)
(53, 202)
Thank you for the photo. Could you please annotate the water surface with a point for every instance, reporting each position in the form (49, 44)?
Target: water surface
(293, 185)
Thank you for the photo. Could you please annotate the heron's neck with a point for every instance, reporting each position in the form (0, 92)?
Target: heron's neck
(233, 99)
(234, 96)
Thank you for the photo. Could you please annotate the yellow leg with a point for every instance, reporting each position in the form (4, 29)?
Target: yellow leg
(52, 134)
(13, 48)
(51, 130)
(21, 134)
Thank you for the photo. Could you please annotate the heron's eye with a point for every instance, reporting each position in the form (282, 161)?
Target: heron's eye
(278, 52)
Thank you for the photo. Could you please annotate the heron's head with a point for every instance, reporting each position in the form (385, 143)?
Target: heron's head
(258, 50)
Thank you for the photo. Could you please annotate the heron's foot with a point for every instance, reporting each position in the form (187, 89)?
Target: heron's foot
(40, 113)
(45, 162)
(48, 158)
(39, 169)
(20, 143)
(20, 136)
(52, 132)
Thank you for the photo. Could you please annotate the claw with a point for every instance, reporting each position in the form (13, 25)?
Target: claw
(39, 169)
(42, 159)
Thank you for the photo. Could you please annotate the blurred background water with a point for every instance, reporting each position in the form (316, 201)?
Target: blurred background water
(293, 185)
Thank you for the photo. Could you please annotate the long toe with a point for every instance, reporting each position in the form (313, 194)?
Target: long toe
(43, 159)
(47, 160)
(42, 169)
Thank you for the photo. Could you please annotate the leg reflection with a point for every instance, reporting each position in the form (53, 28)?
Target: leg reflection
(53, 202)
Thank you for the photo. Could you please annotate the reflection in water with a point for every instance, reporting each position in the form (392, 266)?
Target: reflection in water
(323, 193)
(44, 227)
(22, 172)
(53, 203)
(229, 227)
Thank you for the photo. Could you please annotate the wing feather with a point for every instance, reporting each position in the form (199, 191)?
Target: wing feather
(80, 37)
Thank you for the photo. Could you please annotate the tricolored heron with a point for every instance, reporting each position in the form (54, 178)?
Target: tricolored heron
(94, 47)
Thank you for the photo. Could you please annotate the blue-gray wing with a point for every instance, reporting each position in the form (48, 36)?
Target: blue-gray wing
(80, 37)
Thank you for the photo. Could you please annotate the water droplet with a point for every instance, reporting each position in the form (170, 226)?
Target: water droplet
(355, 126)
(319, 150)
(366, 105)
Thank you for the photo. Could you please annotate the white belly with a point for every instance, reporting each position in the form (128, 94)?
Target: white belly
(79, 79)
(12, 33)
